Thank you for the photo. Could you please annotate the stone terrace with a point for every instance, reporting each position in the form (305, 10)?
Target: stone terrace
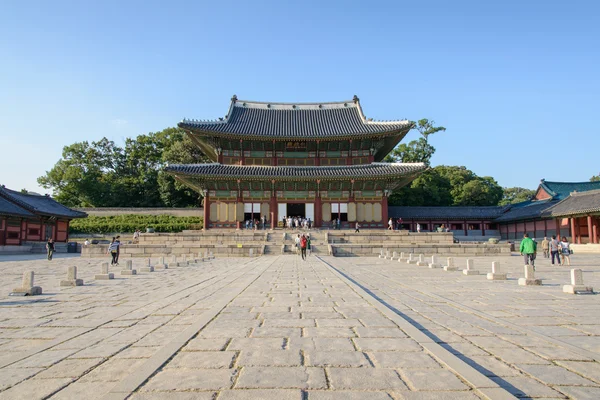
(280, 328)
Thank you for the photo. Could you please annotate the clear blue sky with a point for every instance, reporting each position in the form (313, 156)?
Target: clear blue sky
(515, 82)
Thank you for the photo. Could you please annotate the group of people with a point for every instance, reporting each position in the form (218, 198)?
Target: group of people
(559, 250)
(256, 224)
(296, 222)
(302, 243)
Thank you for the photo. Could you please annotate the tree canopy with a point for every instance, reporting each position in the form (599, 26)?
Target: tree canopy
(595, 178)
(516, 195)
(102, 174)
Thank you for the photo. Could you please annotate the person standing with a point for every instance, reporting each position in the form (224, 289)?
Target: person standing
(418, 228)
(555, 250)
(566, 251)
(118, 240)
(308, 246)
(546, 247)
(527, 250)
(136, 236)
(303, 243)
(357, 228)
(86, 243)
(391, 225)
(283, 220)
(112, 249)
(50, 248)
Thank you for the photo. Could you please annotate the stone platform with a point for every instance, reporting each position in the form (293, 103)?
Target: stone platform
(283, 328)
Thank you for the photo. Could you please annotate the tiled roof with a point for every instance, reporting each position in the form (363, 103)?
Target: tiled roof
(11, 209)
(578, 203)
(562, 190)
(40, 205)
(527, 210)
(299, 120)
(445, 212)
(380, 170)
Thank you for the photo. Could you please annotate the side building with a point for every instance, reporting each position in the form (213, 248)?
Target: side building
(315, 160)
(33, 218)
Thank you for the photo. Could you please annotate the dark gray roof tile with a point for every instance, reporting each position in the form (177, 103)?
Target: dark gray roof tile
(578, 203)
(40, 205)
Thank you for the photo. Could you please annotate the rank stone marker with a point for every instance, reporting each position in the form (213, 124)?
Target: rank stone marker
(104, 273)
(495, 275)
(411, 259)
(470, 270)
(394, 256)
(433, 263)
(381, 254)
(72, 278)
(422, 262)
(148, 267)
(402, 257)
(161, 264)
(577, 286)
(529, 279)
(128, 268)
(449, 265)
(251, 252)
(27, 287)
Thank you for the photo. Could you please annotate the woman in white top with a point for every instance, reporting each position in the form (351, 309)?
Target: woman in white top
(565, 251)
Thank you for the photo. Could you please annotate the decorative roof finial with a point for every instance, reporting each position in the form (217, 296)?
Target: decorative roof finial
(355, 99)
(543, 180)
(234, 98)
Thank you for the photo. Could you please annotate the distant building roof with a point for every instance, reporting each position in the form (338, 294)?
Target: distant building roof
(296, 120)
(527, 210)
(451, 212)
(578, 203)
(374, 170)
(561, 190)
(39, 205)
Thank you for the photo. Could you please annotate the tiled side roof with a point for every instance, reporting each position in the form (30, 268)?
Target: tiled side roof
(578, 203)
(281, 120)
(8, 208)
(446, 212)
(42, 205)
(381, 170)
(562, 190)
(535, 209)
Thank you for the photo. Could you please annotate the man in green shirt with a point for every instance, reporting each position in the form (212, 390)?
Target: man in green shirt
(528, 250)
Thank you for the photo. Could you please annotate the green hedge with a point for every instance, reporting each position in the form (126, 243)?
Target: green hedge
(129, 223)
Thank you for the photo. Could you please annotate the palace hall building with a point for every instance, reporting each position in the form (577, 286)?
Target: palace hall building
(321, 161)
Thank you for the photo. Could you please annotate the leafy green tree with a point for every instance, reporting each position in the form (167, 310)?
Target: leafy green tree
(595, 178)
(480, 191)
(416, 150)
(516, 195)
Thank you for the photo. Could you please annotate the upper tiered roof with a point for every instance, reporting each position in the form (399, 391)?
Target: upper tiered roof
(284, 121)
(562, 190)
(38, 205)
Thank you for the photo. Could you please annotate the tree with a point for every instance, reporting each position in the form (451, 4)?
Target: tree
(595, 178)
(483, 191)
(515, 195)
(102, 174)
(416, 150)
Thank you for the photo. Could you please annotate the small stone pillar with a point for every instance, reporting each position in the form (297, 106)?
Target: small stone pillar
(394, 256)
(27, 288)
(422, 262)
(161, 264)
(104, 274)
(577, 286)
(402, 257)
(251, 253)
(434, 263)
(128, 268)
(381, 254)
(495, 275)
(470, 268)
(529, 279)
(72, 278)
(148, 267)
(450, 265)
(211, 255)
(411, 259)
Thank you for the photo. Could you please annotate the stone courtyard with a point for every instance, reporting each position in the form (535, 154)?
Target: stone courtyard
(282, 328)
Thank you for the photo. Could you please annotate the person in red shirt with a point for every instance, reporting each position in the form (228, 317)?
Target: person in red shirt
(303, 242)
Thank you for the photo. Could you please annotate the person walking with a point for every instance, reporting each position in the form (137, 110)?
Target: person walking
(357, 228)
(308, 246)
(303, 243)
(284, 222)
(527, 250)
(112, 249)
(546, 247)
(297, 243)
(391, 225)
(118, 240)
(565, 251)
(555, 250)
(50, 248)
(418, 228)
(136, 236)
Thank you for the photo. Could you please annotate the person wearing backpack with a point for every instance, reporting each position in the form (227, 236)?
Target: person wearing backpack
(112, 249)
(303, 243)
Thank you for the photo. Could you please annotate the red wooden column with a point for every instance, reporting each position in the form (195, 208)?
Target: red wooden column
(545, 228)
(318, 211)
(274, 156)
(384, 210)
(589, 228)
(482, 228)
(349, 158)
(572, 221)
(242, 159)
(578, 230)
(206, 209)
(558, 222)
(595, 230)
(465, 227)
(274, 211)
